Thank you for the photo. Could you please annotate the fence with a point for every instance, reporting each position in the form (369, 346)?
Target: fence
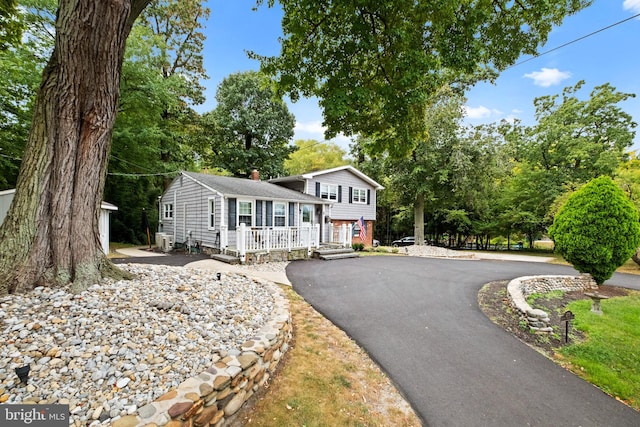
(263, 239)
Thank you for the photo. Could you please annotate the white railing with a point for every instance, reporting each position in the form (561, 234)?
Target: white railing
(263, 239)
(341, 234)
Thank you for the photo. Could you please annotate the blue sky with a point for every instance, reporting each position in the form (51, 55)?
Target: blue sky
(611, 56)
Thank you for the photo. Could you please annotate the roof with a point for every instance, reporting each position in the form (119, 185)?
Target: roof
(311, 175)
(244, 187)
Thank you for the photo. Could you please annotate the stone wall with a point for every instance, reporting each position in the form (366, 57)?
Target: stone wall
(522, 287)
(276, 255)
(211, 397)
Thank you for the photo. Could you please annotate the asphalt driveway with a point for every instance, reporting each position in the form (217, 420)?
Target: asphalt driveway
(419, 319)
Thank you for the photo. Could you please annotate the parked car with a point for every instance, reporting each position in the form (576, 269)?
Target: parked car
(376, 243)
(405, 241)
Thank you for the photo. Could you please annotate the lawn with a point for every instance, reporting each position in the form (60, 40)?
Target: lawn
(609, 357)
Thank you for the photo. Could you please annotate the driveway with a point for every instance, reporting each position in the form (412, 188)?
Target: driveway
(419, 319)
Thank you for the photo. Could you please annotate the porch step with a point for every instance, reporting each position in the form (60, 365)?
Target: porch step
(226, 258)
(338, 253)
(339, 256)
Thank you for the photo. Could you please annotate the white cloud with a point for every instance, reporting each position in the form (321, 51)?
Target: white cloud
(632, 5)
(314, 127)
(480, 112)
(315, 130)
(548, 76)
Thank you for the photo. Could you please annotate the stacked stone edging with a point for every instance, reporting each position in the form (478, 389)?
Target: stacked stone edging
(211, 397)
(520, 288)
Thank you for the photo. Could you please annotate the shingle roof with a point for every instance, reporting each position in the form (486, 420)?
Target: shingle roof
(242, 187)
(311, 175)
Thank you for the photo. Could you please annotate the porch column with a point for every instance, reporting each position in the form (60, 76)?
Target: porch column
(241, 242)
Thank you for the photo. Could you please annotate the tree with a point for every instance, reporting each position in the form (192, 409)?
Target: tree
(311, 156)
(252, 127)
(573, 142)
(21, 66)
(10, 25)
(375, 64)
(50, 235)
(597, 230)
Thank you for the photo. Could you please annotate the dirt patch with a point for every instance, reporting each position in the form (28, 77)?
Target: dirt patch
(495, 304)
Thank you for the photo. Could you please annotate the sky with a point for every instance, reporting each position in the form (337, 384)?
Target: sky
(610, 56)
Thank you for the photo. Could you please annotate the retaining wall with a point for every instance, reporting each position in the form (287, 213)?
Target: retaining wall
(215, 395)
(522, 287)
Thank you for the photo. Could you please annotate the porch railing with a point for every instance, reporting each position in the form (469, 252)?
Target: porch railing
(340, 234)
(264, 239)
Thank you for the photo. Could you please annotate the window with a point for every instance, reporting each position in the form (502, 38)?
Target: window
(245, 213)
(279, 214)
(329, 192)
(307, 214)
(212, 213)
(168, 211)
(359, 195)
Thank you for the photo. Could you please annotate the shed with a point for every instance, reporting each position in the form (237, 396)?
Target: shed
(6, 197)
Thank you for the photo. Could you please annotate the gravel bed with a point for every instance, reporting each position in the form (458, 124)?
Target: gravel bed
(121, 344)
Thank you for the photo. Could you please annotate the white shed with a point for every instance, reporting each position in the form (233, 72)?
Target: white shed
(6, 197)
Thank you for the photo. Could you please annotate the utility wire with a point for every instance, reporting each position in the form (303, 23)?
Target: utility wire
(575, 40)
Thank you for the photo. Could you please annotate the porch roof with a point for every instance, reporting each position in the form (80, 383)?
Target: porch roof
(242, 187)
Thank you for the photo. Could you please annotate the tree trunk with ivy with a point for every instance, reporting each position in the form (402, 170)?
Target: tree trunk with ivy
(50, 236)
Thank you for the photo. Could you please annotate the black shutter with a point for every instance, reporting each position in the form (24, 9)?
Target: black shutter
(292, 213)
(258, 213)
(339, 193)
(368, 197)
(269, 213)
(350, 194)
(317, 189)
(231, 218)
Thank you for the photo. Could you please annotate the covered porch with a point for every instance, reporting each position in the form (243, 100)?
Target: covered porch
(259, 244)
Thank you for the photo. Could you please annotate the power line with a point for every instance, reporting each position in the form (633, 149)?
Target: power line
(143, 174)
(575, 40)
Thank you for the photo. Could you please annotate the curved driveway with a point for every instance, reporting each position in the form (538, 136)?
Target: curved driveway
(419, 319)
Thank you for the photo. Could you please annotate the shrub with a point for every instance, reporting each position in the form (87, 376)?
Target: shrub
(597, 229)
(357, 246)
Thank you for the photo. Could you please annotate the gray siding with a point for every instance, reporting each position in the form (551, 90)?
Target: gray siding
(190, 212)
(345, 210)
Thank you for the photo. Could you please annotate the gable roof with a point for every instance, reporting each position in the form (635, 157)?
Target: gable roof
(243, 187)
(311, 175)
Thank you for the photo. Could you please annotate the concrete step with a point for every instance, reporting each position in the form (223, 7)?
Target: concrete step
(226, 258)
(344, 255)
(332, 251)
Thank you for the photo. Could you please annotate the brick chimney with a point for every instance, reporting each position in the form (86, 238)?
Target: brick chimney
(255, 175)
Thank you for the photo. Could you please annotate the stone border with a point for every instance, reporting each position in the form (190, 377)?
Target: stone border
(216, 394)
(520, 288)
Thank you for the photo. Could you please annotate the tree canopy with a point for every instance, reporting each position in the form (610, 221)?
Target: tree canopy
(311, 155)
(597, 230)
(251, 127)
(375, 64)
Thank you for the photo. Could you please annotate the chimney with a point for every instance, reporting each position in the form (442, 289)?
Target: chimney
(255, 175)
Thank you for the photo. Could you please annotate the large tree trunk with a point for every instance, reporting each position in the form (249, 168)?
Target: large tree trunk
(418, 219)
(50, 236)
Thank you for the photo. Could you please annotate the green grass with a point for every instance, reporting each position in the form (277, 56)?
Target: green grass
(547, 296)
(610, 355)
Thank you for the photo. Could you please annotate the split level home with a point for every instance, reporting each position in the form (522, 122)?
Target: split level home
(256, 220)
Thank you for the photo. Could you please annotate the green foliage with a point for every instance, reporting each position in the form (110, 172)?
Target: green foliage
(21, 69)
(250, 126)
(10, 25)
(374, 65)
(311, 156)
(597, 230)
(357, 247)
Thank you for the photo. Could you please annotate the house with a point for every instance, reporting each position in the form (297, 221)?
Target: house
(352, 196)
(239, 217)
(6, 197)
